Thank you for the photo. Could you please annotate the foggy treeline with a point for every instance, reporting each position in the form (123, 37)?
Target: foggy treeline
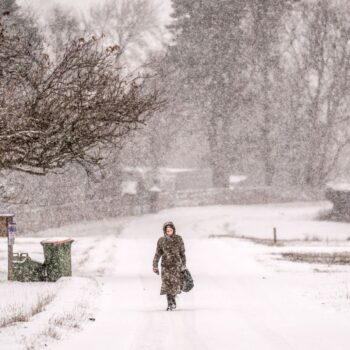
(268, 84)
(256, 88)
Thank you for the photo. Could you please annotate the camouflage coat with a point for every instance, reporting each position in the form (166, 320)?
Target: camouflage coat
(172, 251)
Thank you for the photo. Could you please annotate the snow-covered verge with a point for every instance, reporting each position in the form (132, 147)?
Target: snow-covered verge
(33, 315)
(241, 288)
(326, 283)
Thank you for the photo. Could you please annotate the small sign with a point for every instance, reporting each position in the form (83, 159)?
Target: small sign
(11, 230)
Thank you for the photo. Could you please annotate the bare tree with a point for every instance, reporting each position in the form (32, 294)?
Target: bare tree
(319, 67)
(69, 111)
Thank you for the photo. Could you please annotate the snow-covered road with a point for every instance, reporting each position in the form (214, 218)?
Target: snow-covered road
(238, 301)
(244, 296)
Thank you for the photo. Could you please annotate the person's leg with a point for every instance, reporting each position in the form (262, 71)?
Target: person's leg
(168, 297)
(173, 301)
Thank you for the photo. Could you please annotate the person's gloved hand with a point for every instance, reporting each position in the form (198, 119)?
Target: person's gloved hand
(155, 270)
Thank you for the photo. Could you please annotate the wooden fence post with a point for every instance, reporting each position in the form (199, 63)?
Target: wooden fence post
(274, 235)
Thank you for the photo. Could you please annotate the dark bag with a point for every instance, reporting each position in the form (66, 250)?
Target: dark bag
(187, 281)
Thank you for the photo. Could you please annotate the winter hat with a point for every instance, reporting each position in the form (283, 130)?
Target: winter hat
(170, 224)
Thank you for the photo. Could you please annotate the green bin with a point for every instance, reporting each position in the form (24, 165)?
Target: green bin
(58, 262)
(25, 269)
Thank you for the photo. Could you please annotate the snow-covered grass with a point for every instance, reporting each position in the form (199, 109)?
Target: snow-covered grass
(24, 302)
(341, 258)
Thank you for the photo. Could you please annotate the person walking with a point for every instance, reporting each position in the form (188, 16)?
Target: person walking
(171, 249)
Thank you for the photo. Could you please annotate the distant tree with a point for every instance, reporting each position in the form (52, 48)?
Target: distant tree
(264, 118)
(153, 144)
(207, 64)
(69, 111)
(8, 7)
(319, 81)
(62, 27)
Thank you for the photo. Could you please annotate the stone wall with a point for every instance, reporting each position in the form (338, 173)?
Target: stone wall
(341, 204)
(35, 219)
(238, 196)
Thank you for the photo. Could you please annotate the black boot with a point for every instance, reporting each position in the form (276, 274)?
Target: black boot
(171, 302)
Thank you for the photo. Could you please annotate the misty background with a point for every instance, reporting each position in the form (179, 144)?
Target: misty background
(257, 98)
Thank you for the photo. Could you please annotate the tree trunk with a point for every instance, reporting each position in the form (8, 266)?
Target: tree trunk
(217, 157)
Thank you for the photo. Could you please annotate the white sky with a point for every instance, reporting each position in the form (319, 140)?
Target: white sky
(43, 5)
(83, 5)
(41, 8)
